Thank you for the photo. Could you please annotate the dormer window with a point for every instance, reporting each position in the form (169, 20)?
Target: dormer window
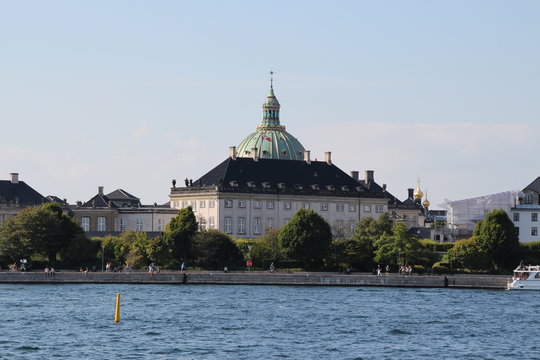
(299, 186)
(284, 152)
(330, 187)
(266, 185)
(251, 184)
(247, 152)
(315, 186)
(359, 189)
(281, 185)
(234, 183)
(344, 188)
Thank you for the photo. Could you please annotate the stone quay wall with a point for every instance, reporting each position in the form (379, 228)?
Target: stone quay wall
(260, 278)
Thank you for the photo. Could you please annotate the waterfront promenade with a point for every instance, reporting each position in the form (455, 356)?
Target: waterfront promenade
(260, 278)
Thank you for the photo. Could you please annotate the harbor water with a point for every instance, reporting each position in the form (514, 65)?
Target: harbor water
(265, 322)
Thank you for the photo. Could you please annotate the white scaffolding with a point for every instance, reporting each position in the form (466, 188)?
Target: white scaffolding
(464, 214)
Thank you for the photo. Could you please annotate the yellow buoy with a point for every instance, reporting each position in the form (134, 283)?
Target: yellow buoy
(117, 312)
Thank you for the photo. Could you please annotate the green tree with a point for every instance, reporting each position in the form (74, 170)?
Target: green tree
(366, 233)
(180, 232)
(497, 237)
(130, 247)
(215, 249)
(306, 237)
(399, 248)
(266, 248)
(468, 254)
(41, 230)
(158, 251)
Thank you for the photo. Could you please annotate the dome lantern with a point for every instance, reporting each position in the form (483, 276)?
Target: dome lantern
(270, 138)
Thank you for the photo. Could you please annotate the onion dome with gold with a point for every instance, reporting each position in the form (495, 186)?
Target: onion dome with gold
(426, 202)
(270, 140)
(418, 194)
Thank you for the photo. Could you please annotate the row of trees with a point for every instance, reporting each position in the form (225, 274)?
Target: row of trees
(45, 233)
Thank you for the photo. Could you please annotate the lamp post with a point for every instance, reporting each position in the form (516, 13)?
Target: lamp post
(102, 256)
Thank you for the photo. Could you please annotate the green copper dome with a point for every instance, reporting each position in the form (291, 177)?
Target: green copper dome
(270, 139)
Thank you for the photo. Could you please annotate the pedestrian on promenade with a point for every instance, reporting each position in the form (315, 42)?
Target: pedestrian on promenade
(378, 270)
(183, 268)
(387, 270)
(272, 267)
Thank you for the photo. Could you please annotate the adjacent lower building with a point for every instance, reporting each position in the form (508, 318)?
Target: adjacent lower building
(525, 212)
(119, 211)
(16, 195)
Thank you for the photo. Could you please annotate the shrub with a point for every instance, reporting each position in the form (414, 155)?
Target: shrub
(419, 269)
(440, 267)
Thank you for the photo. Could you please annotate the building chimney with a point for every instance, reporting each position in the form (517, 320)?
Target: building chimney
(254, 154)
(14, 178)
(369, 176)
(354, 175)
(411, 193)
(307, 157)
(232, 152)
(328, 157)
(100, 190)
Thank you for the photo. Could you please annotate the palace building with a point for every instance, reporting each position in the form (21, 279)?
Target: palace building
(268, 177)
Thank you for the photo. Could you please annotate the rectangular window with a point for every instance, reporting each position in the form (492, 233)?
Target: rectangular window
(228, 224)
(101, 223)
(340, 207)
(139, 225)
(194, 205)
(534, 231)
(228, 203)
(269, 204)
(202, 204)
(534, 217)
(352, 207)
(211, 223)
(286, 205)
(516, 216)
(286, 220)
(528, 199)
(241, 225)
(85, 223)
(241, 204)
(257, 225)
(339, 224)
(123, 224)
(352, 226)
(324, 207)
(202, 223)
(269, 223)
(257, 204)
(184, 204)
(367, 208)
(305, 205)
(160, 224)
(211, 204)
(379, 208)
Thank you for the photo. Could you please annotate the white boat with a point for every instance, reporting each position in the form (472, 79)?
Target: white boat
(526, 277)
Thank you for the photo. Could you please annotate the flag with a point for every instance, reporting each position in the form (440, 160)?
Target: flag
(264, 137)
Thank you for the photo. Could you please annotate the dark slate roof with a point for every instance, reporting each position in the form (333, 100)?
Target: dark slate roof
(19, 193)
(100, 201)
(283, 176)
(121, 194)
(534, 186)
(116, 199)
(56, 199)
(373, 187)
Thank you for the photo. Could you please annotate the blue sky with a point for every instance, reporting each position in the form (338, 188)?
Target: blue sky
(131, 94)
